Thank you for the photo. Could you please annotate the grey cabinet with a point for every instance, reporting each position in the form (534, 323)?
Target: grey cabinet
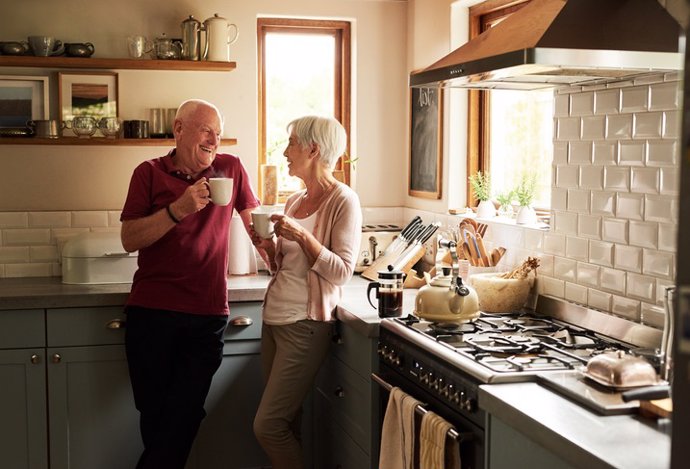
(346, 404)
(23, 425)
(226, 437)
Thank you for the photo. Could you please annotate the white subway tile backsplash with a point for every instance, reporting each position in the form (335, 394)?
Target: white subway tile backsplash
(554, 244)
(567, 176)
(607, 101)
(591, 177)
(668, 237)
(534, 240)
(601, 253)
(669, 181)
(565, 222)
(627, 258)
(672, 122)
(643, 234)
(114, 217)
(589, 226)
(658, 264)
(662, 153)
(617, 178)
(588, 274)
(630, 206)
(560, 153)
(645, 180)
(664, 96)
(614, 230)
(577, 248)
(28, 270)
(89, 219)
(44, 254)
(635, 99)
(552, 287)
(576, 293)
(559, 199)
(582, 104)
(578, 200)
(625, 307)
(594, 128)
(631, 153)
(652, 315)
(597, 299)
(568, 128)
(641, 287)
(612, 280)
(561, 105)
(619, 126)
(580, 152)
(14, 254)
(648, 125)
(605, 153)
(49, 219)
(661, 208)
(564, 268)
(26, 237)
(603, 203)
(14, 220)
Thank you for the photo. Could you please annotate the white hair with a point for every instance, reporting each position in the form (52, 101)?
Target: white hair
(326, 132)
(190, 107)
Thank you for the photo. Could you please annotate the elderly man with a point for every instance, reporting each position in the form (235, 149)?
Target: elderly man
(178, 307)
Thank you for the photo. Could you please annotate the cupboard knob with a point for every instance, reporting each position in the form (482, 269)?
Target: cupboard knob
(35, 359)
(57, 358)
(339, 392)
(115, 324)
(241, 321)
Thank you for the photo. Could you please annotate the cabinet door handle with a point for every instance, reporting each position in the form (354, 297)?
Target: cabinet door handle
(339, 392)
(57, 358)
(35, 359)
(241, 321)
(115, 324)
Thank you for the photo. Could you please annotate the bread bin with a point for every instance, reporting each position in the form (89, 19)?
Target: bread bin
(96, 258)
(620, 370)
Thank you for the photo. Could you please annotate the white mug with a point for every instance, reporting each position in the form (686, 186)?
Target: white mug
(221, 190)
(261, 218)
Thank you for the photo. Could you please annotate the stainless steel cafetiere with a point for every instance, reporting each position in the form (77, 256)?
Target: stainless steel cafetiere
(191, 39)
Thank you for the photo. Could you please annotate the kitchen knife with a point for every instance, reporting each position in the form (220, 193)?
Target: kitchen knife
(422, 237)
(404, 234)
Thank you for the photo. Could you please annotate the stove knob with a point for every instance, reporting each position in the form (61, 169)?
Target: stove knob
(466, 403)
(453, 394)
(424, 377)
(442, 387)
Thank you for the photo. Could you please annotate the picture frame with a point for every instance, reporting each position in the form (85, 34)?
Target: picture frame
(426, 142)
(92, 94)
(22, 99)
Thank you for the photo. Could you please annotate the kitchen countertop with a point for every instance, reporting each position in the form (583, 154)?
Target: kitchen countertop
(578, 436)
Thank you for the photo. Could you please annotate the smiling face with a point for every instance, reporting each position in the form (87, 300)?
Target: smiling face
(197, 136)
(298, 157)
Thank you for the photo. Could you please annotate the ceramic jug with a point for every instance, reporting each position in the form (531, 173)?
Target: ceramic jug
(219, 39)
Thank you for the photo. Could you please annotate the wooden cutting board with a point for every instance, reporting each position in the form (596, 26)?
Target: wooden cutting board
(659, 408)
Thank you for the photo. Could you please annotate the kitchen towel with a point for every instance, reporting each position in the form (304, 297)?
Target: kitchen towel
(436, 450)
(398, 432)
(241, 252)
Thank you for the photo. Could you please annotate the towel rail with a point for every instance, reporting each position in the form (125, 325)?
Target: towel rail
(421, 410)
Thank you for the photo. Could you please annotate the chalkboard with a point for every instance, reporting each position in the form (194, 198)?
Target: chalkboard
(425, 143)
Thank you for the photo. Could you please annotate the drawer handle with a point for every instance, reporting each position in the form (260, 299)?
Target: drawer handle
(35, 359)
(57, 358)
(115, 324)
(339, 392)
(241, 321)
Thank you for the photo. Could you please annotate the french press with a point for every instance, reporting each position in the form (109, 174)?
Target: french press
(389, 291)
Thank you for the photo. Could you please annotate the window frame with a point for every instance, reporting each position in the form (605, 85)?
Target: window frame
(481, 17)
(341, 31)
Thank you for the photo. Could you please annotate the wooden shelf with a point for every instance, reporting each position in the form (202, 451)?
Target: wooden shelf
(133, 142)
(115, 64)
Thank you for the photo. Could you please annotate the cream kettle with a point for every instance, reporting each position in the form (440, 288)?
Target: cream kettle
(219, 38)
(446, 299)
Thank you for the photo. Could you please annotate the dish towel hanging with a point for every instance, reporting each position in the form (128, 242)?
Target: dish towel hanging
(436, 450)
(398, 432)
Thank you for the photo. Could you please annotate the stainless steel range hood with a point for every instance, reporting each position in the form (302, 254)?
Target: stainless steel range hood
(555, 43)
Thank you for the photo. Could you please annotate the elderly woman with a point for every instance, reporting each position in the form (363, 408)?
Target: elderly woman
(313, 256)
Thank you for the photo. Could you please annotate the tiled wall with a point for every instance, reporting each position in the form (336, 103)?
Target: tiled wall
(612, 241)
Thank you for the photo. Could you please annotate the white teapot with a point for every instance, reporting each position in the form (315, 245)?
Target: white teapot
(445, 298)
(218, 38)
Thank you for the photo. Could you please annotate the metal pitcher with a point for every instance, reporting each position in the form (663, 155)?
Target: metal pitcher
(191, 39)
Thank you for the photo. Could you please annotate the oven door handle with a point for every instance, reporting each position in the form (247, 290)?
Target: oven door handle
(419, 408)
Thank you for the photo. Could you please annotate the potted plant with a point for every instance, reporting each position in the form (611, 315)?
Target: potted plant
(506, 200)
(481, 185)
(524, 193)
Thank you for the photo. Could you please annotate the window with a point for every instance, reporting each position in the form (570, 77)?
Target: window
(511, 132)
(304, 68)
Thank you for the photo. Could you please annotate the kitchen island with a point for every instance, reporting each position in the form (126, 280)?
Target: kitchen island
(523, 417)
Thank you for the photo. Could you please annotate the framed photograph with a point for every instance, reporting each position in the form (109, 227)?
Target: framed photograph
(87, 94)
(426, 140)
(22, 98)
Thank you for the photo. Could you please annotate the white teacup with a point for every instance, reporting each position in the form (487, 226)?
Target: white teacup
(221, 190)
(261, 218)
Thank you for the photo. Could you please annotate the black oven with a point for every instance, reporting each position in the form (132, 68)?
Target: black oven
(439, 387)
